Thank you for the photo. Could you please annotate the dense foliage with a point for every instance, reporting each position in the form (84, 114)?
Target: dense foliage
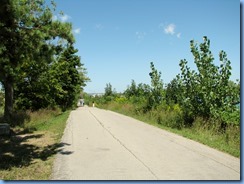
(207, 93)
(38, 65)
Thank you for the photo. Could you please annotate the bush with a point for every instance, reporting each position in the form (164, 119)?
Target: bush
(120, 99)
(171, 119)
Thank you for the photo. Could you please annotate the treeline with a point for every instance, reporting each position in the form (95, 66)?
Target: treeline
(206, 96)
(39, 65)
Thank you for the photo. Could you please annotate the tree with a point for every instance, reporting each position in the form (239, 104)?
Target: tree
(34, 91)
(27, 34)
(206, 92)
(108, 90)
(59, 84)
(147, 96)
(67, 78)
(172, 92)
(157, 93)
(131, 90)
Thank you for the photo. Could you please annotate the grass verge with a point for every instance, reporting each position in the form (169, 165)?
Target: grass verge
(29, 153)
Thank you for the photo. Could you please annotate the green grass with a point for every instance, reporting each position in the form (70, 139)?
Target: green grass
(29, 154)
(52, 121)
(228, 142)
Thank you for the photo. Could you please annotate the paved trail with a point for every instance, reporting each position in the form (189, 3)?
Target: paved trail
(103, 145)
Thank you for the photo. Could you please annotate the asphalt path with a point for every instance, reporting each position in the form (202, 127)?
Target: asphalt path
(104, 145)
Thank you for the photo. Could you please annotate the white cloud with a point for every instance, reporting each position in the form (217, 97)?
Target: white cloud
(77, 31)
(64, 17)
(170, 29)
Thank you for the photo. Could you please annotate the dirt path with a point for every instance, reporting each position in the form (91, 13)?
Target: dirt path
(103, 145)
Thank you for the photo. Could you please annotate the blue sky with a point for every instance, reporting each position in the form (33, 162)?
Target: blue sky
(117, 39)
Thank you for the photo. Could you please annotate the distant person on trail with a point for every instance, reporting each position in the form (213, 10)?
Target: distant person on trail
(82, 102)
(93, 104)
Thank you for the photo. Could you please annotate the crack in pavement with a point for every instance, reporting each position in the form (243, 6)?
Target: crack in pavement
(124, 146)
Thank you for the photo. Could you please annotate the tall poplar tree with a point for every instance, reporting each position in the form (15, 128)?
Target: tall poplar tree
(207, 92)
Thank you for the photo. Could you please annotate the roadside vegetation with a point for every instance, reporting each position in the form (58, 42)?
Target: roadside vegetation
(203, 105)
(41, 79)
(30, 151)
(39, 65)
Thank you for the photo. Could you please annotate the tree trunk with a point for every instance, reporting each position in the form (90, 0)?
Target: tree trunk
(9, 93)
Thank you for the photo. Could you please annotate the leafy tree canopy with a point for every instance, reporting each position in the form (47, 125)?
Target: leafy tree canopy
(31, 41)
